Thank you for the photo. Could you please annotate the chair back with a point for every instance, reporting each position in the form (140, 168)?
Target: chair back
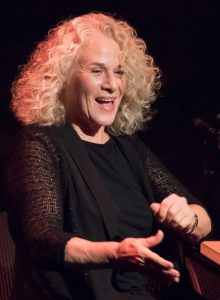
(204, 276)
(7, 259)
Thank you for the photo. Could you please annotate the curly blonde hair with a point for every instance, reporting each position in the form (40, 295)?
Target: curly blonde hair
(37, 93)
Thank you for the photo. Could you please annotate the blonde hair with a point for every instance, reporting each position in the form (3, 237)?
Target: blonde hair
(37, 93)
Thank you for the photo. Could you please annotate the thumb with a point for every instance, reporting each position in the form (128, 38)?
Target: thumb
(154, 240)
(155, 207)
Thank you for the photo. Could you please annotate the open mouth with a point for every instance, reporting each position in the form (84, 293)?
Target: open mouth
(104, 101)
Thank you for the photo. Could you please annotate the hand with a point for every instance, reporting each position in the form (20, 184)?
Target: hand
(135, 254)
(131, 253)
(174, 212)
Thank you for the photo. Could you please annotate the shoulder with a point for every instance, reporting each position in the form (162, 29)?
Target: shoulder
(46, 135)
(31, 132)
(35, 141)
(34, 132)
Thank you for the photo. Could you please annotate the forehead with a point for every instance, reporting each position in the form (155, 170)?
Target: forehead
(100, 48)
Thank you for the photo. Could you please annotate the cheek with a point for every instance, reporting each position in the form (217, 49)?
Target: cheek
(90, 88)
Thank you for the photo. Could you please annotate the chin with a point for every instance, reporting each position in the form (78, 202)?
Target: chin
(106, 123)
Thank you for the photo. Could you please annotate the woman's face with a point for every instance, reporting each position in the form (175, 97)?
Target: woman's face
(97, 85)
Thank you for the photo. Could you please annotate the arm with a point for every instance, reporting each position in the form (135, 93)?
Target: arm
(34, 185)
(177, 208)
(130, 253)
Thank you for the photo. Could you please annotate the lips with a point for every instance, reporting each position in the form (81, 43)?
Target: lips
(105, 100)
(106, 104)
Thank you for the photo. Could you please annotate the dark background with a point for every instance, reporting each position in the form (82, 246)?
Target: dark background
(184, 39)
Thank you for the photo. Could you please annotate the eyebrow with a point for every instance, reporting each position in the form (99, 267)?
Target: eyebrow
(102, 65)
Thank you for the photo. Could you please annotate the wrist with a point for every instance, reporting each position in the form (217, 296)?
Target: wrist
(194, 224)
(104, 252)
(192, 236)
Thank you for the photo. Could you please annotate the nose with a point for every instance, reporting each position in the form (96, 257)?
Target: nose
(109, 82)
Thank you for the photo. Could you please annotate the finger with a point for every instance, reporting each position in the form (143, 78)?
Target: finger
(165, 276)
(171, 277)
(169, 280)
(152, 258)
(164, 208)
(155, 207)
(181, 220)
(174, 211)
(179, 217)
(185, 224)
(171, 272)
(170, 206)
(154, 240)
(175, 219)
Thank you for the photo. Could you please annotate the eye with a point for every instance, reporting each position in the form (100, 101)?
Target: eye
(96, 70)
(120, 72)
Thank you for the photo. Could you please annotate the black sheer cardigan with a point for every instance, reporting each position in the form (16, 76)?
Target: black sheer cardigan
(47, 172)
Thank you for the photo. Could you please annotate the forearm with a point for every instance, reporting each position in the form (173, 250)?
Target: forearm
(82, 253)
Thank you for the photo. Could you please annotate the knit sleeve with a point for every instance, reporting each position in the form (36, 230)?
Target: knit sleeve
(35, 191)
(162, 182)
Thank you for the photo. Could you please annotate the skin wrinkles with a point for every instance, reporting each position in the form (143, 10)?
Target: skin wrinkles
(97, 88)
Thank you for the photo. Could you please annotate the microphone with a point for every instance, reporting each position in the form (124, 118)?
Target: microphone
(208, 131)
(205, 128)
(217, 118)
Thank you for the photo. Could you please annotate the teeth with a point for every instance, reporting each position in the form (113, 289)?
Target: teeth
(104, 100)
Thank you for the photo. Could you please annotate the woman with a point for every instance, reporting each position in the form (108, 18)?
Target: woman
(86, 195)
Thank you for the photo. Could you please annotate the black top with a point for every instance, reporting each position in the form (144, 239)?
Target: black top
(134, 217)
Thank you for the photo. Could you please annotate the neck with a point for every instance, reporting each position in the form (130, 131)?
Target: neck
(98, 136)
